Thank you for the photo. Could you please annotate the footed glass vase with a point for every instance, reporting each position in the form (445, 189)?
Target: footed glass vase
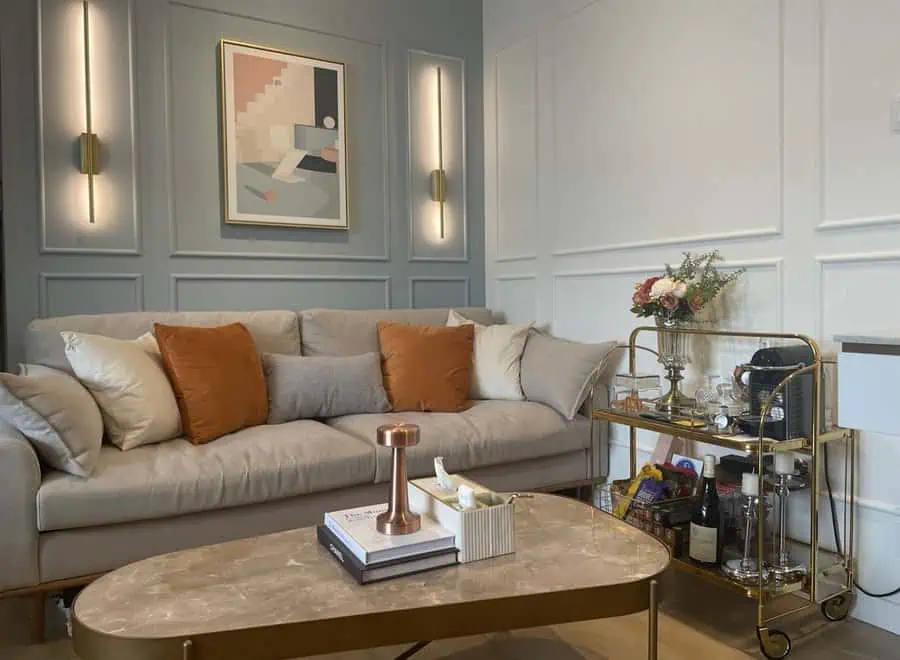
(674, 354)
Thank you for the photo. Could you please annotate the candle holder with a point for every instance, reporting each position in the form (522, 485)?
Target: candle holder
(398, 519)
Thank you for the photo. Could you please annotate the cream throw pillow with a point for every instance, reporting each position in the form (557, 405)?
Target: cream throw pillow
(57, 414)
(129, 384)
(496, 359)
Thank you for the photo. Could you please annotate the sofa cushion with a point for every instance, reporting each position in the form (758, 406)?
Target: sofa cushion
(258, 464)
(488, 433)
(426, 368)
(275, 331)
(353, 332)
(559, 372)
(130, 385)
(217, 376)
(314, 387)
(57, 414)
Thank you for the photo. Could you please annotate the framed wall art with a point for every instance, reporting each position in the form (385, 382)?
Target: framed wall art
(284, 138)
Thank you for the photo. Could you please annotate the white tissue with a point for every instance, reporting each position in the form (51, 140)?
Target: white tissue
(444, 479)
(465, 496)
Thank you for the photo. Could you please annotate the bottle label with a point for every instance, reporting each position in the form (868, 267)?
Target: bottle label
(704, 544)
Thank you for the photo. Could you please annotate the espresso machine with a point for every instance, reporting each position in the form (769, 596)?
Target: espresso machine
(790, 415)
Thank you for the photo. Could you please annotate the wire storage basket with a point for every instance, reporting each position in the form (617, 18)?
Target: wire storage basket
(668, 520)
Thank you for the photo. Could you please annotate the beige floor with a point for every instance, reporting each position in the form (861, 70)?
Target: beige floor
(700, 622)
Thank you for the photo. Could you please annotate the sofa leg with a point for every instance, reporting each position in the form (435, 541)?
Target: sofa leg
(36, 617)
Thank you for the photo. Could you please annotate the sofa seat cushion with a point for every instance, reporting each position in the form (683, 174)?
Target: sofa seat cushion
(488, 433)
(258, 464)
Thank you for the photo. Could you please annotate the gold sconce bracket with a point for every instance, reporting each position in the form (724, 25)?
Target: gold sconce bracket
(438, 185)
(89, 153)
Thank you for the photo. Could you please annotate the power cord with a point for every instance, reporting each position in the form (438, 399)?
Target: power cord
(837, 535)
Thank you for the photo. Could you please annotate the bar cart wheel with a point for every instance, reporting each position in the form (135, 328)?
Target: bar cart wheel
(773, 643)
(836, 608)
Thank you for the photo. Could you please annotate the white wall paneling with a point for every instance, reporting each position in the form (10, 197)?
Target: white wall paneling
(515, 71)
(859, 141)
(759, 128)
(519, 295)
(437, 291)
(849, 286)
(425, 240)
(645, 145)
(61, 294)
(64, 217)
(202, 291)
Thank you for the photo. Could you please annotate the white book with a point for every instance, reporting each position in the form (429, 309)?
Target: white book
(356, 528)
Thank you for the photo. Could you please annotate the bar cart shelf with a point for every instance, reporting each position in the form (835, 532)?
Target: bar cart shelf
(828, 583)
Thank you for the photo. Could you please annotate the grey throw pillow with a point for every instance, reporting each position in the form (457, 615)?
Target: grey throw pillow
(314, 387)
(58, 416)
(558, 372)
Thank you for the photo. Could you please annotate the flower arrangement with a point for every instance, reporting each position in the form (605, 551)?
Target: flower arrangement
(679, 294)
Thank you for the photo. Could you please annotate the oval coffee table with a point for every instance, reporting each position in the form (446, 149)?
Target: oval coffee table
(283, 596)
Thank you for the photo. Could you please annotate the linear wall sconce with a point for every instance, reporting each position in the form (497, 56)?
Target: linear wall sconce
(88, 142)
(439, 175)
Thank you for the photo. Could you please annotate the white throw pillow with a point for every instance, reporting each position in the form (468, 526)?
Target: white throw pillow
(496, 359)
(130, 385)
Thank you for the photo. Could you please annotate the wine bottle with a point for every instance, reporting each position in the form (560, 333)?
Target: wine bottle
(705, 541)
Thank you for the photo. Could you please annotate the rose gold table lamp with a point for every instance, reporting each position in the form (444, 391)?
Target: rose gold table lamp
(398, 519)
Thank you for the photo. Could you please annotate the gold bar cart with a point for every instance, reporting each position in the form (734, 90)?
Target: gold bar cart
(829, 581)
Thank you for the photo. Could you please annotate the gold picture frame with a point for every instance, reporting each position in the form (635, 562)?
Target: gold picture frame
(284, 137)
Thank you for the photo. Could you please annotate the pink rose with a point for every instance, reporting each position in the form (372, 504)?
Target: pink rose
(642, 294)
(669, 302)
(696, 304)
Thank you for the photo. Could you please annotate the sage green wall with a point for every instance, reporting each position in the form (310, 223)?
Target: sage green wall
(161, 242)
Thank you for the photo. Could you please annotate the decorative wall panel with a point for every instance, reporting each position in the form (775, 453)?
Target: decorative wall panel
(250, 292)
(64, 216)
(430, 238)
(429, 292)
(517, 151)
(63, 294)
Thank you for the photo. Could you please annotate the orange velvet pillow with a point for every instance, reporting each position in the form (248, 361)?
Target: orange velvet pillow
(217, 376)
(427, 368)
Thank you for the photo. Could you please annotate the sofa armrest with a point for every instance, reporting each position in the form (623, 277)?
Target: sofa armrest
(20, 478)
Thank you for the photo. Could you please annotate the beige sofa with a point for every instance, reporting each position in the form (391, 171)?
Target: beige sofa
(58, 529)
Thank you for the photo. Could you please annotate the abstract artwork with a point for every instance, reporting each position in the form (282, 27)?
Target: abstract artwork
(285, 161)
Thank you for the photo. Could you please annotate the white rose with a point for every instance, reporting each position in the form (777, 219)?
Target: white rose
(680, 289)
(662, 287)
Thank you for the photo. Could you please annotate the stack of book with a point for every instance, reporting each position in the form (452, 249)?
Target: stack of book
(369, 556)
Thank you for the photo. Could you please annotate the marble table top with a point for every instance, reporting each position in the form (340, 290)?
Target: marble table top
(287, 578)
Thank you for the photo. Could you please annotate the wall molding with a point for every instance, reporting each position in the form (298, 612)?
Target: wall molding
(859, 223)
(44, 280)
(499, 257)
(175, 278)
(513, 258)
(823, 261)
(178, 253)
(464, 160)
(137, 223)
(841, 224)
(699, 239)
(515, 277)
(413, 279)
